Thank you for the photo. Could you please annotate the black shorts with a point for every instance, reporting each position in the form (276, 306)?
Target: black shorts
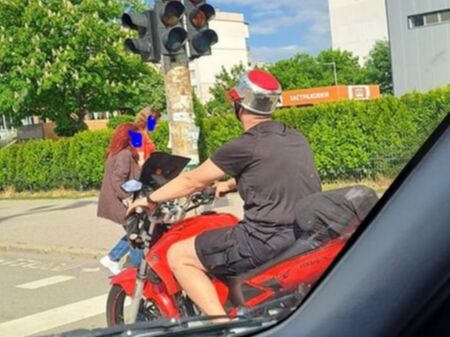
(232, 251)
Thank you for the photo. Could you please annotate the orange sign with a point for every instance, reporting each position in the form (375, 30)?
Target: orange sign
(329, 94)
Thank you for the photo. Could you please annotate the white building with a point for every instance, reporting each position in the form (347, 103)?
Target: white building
(231, 50)
(7, 131)
(357, 24)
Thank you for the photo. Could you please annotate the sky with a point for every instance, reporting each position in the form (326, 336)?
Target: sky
(282, 28)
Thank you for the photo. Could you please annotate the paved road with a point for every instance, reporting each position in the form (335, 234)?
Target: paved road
(50, 293)
(49, 275)
(56, 225)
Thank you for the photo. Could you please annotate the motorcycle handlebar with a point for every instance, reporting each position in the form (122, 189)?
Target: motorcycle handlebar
(209, 192)
(133, 223)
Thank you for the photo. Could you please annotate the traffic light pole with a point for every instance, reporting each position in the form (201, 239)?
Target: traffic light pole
(180, 108)
(171, 30)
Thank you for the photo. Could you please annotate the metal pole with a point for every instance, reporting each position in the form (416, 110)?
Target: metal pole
(335, 73)
(180, 107)
(334, 70)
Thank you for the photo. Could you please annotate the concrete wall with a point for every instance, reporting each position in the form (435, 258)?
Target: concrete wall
(36, 131)
(99, 124)
(420, 55)
(49, 131)
(229, 51)
(27, 132)
(357, 24)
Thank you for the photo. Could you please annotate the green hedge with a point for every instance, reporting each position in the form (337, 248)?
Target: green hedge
(350, 140)
(161, 136)
(86, 157)
(76, 162)
(116, 121)
(7, 166)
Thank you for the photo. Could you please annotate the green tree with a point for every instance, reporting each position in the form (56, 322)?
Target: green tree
(348, 69)
(306, 71)
(378, 66)
(218, 105)
(61, 59)
(298, 72)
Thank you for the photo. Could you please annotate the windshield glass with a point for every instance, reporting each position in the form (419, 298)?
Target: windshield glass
(164, 165)
(183, 165)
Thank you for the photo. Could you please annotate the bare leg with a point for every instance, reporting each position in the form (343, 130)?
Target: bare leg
(190, 273)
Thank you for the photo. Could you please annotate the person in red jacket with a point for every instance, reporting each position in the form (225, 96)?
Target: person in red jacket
(121, 165)
(129, 138)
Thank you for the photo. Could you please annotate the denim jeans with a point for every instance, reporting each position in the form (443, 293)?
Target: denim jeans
(122, 248)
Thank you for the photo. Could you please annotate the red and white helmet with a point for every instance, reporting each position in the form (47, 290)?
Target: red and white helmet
(257, 92)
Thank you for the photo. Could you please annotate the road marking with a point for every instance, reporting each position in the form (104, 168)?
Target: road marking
(90, 270)
(35, 264)
(45, 282)
(54, 318)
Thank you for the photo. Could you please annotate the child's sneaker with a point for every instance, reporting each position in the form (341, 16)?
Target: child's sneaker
(113, 266)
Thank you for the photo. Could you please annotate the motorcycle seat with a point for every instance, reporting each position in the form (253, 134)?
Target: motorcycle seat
(299, 247)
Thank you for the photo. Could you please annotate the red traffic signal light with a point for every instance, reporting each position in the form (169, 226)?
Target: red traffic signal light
(201, 38)
(200, 16)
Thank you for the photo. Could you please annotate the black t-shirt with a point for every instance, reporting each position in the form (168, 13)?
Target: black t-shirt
(274, 168)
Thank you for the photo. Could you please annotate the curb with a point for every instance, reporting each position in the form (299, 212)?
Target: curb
(50, 250)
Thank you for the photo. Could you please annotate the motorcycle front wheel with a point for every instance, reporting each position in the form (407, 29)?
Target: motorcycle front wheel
(117, 303)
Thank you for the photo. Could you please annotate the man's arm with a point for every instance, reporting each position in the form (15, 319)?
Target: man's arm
(185, 184)
(189, 182)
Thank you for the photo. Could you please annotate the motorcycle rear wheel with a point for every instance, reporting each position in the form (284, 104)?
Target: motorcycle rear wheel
(116, 308)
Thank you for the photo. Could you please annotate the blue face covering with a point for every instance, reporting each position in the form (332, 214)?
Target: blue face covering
(136, 139)
(151, 123)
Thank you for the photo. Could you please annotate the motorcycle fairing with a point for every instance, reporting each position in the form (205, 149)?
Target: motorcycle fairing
(126, 279)
(284, 276)
(155, 292)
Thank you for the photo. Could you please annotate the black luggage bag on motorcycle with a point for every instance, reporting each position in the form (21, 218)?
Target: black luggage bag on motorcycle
(326, 215)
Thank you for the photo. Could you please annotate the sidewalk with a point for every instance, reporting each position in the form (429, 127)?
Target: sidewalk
(68, 226)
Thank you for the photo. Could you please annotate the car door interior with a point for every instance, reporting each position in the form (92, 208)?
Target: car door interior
(395, 265)
(433, 320)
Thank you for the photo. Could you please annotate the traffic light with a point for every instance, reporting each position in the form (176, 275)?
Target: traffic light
(172, 35)
(147, 44)
(201, 38)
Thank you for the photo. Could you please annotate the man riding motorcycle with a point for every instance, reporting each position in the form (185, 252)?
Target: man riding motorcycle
(271, 165)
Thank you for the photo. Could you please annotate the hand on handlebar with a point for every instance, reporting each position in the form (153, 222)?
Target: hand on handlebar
(141, 203)
(133, 226)
(222, 188)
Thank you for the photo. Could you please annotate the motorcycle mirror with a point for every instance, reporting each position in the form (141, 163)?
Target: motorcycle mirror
(131, 186)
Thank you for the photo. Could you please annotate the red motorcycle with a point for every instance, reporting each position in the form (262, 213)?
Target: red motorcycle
(275, 288)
